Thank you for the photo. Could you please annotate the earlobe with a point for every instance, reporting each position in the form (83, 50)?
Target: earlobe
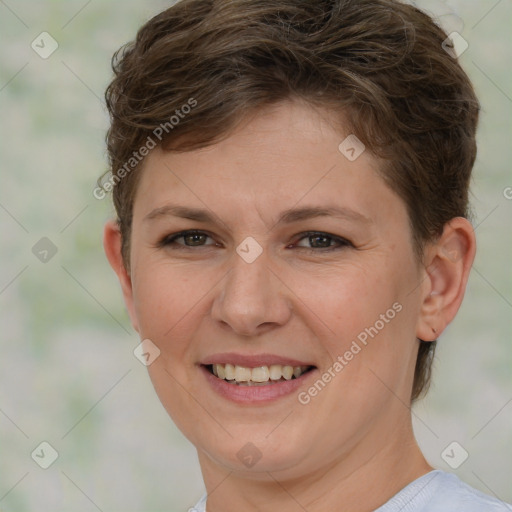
(448, 265)
(112, 247)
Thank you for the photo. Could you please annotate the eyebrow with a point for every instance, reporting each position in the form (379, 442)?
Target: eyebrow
(286, 217)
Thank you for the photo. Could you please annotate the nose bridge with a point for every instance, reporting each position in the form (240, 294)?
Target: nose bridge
(250, 295)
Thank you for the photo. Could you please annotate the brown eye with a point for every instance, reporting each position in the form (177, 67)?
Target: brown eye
(194, 239)
(322, 242)
(190, 238)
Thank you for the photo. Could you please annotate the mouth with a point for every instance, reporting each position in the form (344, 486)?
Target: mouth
(257, 376)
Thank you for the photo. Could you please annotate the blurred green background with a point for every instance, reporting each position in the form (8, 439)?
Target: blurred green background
(67, 372)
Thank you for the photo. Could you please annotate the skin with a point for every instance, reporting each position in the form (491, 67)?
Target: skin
(294, 300)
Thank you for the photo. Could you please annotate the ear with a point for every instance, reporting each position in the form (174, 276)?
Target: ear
(447, 266)
(112, 247)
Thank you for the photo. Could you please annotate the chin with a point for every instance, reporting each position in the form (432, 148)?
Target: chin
(252, 454)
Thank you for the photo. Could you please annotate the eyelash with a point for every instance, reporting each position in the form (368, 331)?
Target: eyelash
(170, 240)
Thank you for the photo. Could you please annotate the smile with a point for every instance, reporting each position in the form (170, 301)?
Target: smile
(257, 376)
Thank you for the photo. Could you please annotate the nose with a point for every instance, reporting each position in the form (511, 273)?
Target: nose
(251, 299)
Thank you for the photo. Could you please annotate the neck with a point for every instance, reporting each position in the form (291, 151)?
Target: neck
(359, 481)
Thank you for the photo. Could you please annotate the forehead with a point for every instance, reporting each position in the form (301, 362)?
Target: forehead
(285, 156)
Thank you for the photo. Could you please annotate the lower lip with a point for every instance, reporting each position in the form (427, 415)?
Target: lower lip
(252, 394)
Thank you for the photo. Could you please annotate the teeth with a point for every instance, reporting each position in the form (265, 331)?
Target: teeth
(275, 371)
(229, 371)
(288, 372)
(221, 372)
(242, 374)
(259, 375)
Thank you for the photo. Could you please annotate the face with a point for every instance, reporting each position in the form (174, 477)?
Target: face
(293, 256)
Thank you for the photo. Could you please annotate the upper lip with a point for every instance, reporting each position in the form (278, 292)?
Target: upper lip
(252, 361)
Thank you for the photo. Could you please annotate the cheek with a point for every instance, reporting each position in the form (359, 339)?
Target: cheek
(168, 301)
(345, 298)
(164, 296)
(363, 314)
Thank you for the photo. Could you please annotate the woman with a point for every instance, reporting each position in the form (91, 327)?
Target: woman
(291, 185)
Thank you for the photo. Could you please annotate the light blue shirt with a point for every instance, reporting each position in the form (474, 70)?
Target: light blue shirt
(436, 491)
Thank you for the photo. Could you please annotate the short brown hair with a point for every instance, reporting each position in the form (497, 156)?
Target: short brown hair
(379, 63)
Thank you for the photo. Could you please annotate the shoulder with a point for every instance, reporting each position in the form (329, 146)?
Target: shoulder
(453, 494)
(199, 506)
(438, 491)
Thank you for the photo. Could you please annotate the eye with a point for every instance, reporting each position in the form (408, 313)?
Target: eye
(322, 242)
(191, 238)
